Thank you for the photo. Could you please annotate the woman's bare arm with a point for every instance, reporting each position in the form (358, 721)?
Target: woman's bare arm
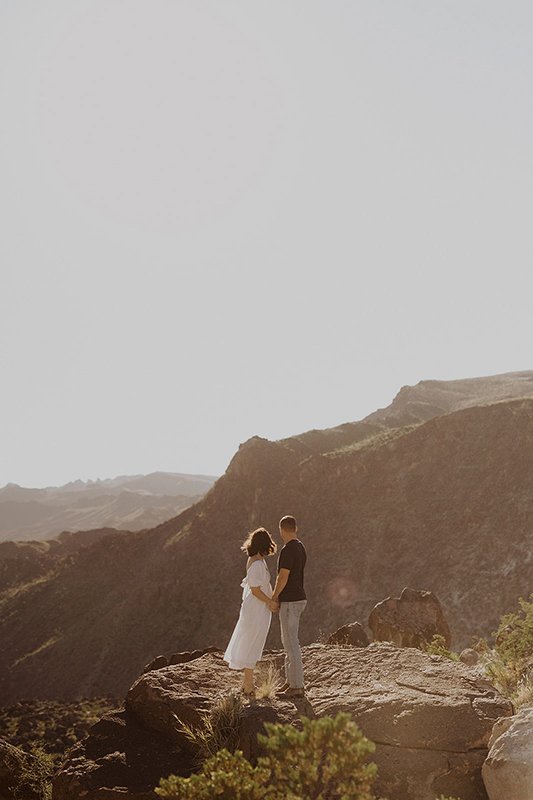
(259, 593)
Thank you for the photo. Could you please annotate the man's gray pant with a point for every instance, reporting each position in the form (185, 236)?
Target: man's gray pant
(289, 618)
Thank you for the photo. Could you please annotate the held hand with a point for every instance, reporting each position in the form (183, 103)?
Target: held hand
(274, 606)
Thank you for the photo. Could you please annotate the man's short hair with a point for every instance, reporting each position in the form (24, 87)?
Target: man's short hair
(288, 523)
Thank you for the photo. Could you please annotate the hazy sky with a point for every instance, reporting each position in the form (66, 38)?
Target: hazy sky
(225, 218)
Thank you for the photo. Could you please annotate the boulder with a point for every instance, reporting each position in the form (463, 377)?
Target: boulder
(127, 752)
(22, 775)
(120, 758)
(469, 656)
(353, 635)
(411, 620)
(156, 663)
(165, 699)
(191, 655)
(178, 658)
(429, 717)
(508, 769)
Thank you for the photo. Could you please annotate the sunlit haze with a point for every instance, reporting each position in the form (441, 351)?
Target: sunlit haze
(227, 219)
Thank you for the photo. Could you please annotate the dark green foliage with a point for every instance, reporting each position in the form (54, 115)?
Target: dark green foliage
(225, 776)
(437, 647)
(514, 637)
(326, 759)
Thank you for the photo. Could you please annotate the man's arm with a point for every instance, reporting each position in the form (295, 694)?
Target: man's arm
(281, 582)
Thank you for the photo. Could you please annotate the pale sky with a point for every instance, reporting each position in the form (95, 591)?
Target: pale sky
(226, 218)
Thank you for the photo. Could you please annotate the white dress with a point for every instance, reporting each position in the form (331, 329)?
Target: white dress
(248, 639)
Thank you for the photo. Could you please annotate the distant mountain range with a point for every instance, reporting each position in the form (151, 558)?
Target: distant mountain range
(128, 502)
(432, 492)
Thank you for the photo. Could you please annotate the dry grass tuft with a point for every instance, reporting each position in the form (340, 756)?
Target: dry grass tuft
(269, 681)
(523, 696)
(220, 728)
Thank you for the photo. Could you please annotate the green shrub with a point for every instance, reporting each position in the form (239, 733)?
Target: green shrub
(514, 637)
(326, 758)
(437, 647)
(508, 664)
(225, 776)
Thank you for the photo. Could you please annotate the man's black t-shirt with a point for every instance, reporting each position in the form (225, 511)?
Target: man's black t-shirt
(293, 558)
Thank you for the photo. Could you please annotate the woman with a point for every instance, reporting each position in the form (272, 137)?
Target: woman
(248, 640)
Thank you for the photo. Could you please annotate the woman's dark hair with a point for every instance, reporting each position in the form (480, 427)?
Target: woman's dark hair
(259, 541)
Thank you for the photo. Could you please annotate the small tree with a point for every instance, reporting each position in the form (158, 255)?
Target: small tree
(326, 759)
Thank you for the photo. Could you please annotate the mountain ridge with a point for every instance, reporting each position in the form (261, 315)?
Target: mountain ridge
(443, 505)
(127, 502)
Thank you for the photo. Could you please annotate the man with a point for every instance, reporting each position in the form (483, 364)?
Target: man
(289, 592)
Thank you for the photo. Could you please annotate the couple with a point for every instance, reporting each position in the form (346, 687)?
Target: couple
(259, 602)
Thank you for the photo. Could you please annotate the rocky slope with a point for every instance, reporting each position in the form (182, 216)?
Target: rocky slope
(128, 502)
(444, 505)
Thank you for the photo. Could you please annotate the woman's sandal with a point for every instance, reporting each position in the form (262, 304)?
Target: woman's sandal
(248, 694)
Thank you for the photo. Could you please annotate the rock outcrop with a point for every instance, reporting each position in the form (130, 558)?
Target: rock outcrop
(430, 718)
(178, 658)
(508, 769)
(120, 758)
(353, 635)
(410, 620)
(128, 751)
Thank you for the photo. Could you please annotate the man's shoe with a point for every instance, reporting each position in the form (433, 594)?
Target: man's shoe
(292, 692)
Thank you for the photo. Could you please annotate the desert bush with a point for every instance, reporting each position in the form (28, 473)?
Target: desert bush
(226, 776)
(509, 663)
(327, 758)
(514, 637)
(437, 647)
(504, 676)
(219, 729)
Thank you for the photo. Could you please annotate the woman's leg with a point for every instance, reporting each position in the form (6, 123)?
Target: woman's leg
(248, 681)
